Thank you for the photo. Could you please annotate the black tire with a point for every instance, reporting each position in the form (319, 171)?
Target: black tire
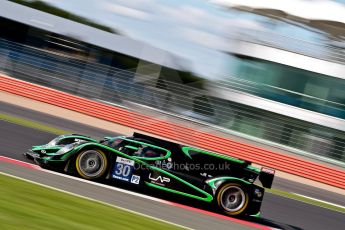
(91, 164)
(232, 199)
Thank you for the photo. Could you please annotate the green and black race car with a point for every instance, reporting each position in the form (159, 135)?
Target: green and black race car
(152, 163)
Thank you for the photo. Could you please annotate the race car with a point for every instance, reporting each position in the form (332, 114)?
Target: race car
(152, 163)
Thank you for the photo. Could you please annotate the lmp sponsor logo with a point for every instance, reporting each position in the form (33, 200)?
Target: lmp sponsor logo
(160, 179)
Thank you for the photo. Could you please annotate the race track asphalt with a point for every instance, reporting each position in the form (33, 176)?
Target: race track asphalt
(277, 211)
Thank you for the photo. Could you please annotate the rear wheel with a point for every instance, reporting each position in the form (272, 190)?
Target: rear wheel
(232, 199)
(91, 164)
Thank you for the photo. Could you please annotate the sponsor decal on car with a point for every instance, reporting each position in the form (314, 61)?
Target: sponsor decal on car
(135, 179)
(268, 170)
(159, 180)
(123, 169)
(125, 161)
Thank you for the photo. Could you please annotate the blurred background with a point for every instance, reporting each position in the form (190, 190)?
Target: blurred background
(267, 71)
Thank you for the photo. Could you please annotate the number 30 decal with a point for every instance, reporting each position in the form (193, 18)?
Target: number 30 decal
(123, 170)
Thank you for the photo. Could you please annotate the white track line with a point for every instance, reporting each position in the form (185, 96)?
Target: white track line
(108, 187)
(321, 201)
(91, 182)
(94, 200)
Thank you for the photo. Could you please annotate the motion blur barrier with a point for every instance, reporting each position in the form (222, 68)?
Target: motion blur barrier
(176, 132)
(139, 84)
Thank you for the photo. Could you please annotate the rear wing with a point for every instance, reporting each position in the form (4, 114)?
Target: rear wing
(266, 177)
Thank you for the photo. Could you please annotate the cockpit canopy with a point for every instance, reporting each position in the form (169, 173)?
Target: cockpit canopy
(137, 148)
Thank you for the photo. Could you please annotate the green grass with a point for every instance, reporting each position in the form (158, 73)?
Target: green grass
(32, 124)
(50, 129)
(25, 205)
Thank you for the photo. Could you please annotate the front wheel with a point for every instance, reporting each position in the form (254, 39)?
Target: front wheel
(232, 199)
(91, 164)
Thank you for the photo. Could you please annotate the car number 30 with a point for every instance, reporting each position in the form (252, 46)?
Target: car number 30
(123, 170)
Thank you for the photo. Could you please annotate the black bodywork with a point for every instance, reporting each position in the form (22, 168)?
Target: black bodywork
(184, 171)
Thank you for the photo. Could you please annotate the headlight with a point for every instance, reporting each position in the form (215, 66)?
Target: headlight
(65, 149)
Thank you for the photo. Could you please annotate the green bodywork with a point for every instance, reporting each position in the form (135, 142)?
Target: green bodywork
(186, 150)
(89, 143)
(141, 160)
(212, 182)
